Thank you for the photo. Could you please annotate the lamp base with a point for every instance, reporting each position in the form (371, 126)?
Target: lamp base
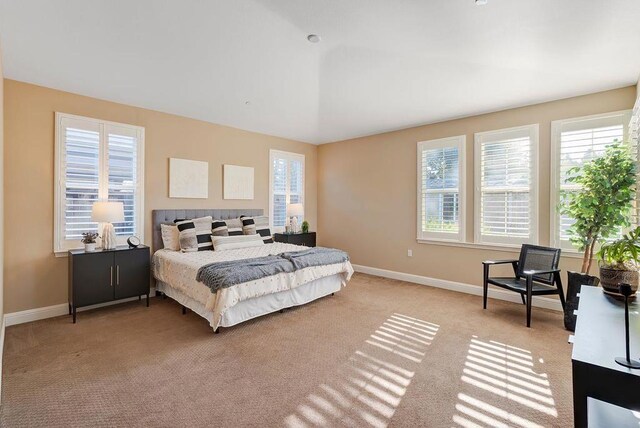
(632, 364)
(109, 237)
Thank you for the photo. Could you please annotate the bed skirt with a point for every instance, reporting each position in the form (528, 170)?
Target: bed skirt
(258, 306)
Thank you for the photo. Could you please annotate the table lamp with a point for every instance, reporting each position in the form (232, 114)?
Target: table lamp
(295, 210)
(108, 213)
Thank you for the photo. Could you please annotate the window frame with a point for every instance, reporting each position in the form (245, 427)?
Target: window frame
(281, 154)
(459, 142)
(61, 246)
(533, 132)
(596, 120)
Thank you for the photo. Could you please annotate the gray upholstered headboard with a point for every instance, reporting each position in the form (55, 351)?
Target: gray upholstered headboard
(168, 216)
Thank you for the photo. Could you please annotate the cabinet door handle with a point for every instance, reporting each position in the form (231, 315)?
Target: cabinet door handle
(118, 275)
(111, 276)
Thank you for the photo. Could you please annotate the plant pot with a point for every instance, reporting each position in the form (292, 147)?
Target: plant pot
(610, 279)
(576, 281)
(89, 248)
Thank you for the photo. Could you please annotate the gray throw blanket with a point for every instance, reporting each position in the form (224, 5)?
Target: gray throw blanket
(220, 275)
(317, 256)
(225, 274)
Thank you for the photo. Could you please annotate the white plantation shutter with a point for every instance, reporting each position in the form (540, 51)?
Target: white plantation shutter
(96, 160)
(123, 175)
(574, 142)
(634, 137)
(81, 165)
(440, 189)
(287, 185)
(279, 191)
(506, 185)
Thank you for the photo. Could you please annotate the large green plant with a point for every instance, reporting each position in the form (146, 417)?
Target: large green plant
(623, 253)
(604, 202)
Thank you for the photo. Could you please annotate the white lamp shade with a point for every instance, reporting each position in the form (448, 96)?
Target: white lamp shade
(107, 212)
(294, 210)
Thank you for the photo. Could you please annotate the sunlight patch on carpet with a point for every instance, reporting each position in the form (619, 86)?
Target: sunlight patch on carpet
(495, 373)
(369, 387)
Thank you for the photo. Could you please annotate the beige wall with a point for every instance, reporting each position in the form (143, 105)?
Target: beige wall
(1, 215)
(34, 277)
(367, 189)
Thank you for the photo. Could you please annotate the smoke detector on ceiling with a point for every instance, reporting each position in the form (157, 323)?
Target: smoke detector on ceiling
(314, 38)
(481, 2)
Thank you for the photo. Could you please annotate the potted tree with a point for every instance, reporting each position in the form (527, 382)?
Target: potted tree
(619, 262)
(600, 207)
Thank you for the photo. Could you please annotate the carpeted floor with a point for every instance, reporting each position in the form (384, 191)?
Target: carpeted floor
(379, 353)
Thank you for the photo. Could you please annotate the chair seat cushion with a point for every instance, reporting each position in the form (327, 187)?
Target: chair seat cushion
(520, 285)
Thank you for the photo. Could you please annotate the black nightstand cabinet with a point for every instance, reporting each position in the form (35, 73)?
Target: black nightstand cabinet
(132, 273)
(104, 276)
(307, 239)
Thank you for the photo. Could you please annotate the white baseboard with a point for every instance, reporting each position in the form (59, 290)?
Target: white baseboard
(540, 302)
(36, 314)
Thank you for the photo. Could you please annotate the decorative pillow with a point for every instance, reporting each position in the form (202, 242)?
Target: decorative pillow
(195, 235)
(248, 225)
(221, 243)
(262, 228)
(170, 237)
(219, 228)
(235, 226)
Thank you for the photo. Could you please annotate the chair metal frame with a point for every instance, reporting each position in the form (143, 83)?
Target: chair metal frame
(548, 277)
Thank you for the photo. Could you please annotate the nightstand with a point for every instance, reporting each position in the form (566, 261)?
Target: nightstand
(106, 275)
(307, 239)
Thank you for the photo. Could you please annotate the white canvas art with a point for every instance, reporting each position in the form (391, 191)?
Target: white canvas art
(188, 179)
(238, 182)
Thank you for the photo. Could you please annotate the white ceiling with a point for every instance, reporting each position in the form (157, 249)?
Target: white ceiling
(382, 64)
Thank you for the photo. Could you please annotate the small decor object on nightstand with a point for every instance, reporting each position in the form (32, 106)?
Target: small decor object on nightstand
(626, 361)
(305, 226)
(108, 213)
(89, 241)
(294, 211)
(133, 241)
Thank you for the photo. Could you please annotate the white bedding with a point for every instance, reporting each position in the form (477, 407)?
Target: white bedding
(178, 270)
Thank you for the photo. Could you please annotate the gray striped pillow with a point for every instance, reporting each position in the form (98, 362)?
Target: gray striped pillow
(219, 228)
(248, 225)
(195, 235)
(262, 228)
(221, 243)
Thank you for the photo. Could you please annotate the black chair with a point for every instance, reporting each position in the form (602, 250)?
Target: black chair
(536, 274)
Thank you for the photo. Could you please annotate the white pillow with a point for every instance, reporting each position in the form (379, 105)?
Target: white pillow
(221, 243)
(170, 237)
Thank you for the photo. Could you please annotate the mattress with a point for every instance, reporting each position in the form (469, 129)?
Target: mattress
(178, 270)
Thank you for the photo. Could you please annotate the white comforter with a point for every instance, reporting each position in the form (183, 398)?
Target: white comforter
(178, 270)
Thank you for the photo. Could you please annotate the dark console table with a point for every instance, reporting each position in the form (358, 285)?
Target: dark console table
(107, 275)
(599, 338)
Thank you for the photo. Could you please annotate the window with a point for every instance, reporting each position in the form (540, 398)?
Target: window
(96, 160)
(506, 164)
(286, 180)
(441, 189)
(574, 142)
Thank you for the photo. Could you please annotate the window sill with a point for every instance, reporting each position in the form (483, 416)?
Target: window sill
(491, 247)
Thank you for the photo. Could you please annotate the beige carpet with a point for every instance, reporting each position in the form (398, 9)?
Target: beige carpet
(379, 353)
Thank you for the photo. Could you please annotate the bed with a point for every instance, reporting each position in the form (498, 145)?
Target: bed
(175, 276)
